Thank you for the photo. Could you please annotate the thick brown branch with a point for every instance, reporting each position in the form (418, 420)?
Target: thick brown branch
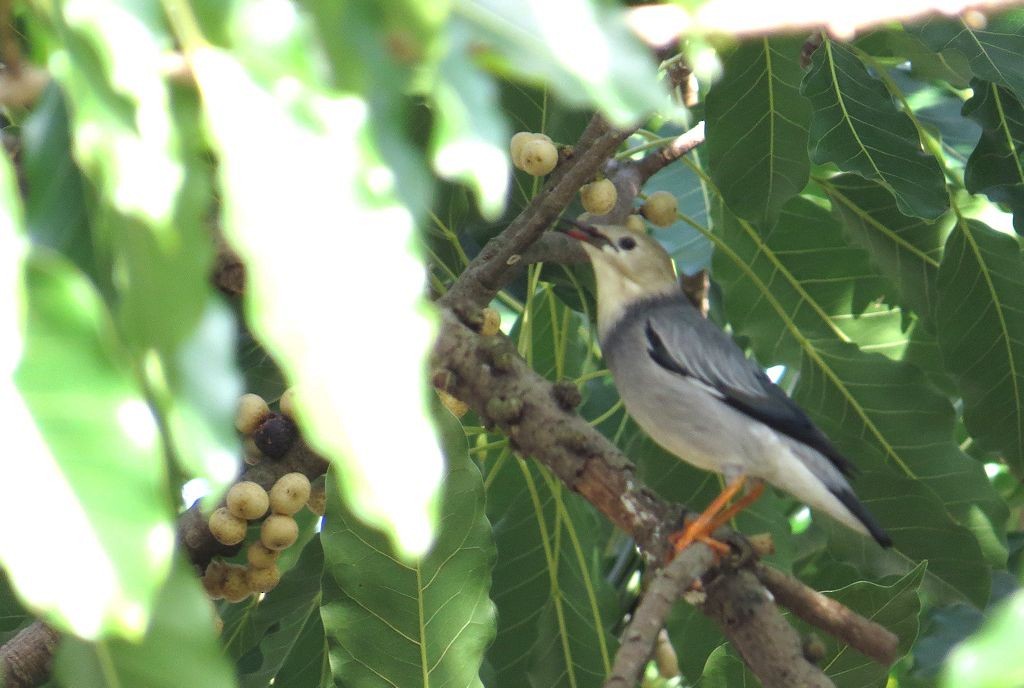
(662, 157)
(667, 586)
(25, 659)
(865, 636)
(768, 644)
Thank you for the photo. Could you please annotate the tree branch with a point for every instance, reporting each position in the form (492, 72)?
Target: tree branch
(26, 658)
(768, 644)
(867, 637)
(667, 586)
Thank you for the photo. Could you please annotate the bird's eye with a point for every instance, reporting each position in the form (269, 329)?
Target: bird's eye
(627, 243)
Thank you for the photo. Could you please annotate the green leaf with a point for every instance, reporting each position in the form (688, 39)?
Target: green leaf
(996, 167)
(555, 609)
(725, 670)
(130, 143)
(470, 136)
(604, 65)
(991, 658)
(55, 202)
(275, 627)
(757, 128)
(856, 125)
(392, 623)
(90, 442)
(879, 411)
(295, 296)
(180, 647)
(980, 322)
(993, 52)
(549, 337)
(895, 607)
(905, 249)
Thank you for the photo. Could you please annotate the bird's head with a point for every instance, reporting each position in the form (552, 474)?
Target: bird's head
(629, 266)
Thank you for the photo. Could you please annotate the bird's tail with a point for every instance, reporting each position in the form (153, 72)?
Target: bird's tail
(845, 495)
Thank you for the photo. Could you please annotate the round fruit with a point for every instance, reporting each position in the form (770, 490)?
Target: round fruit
(538, 157)
(599, 197)
(635, 223)
(289, 493)
(251, 452)
(515, 146)
(287, 403)
(279, 532)
(247, 500)
(213, 579)
(236, 583)
(259, 557)
(275, 435)
(263, 580)
(226, 527)
(252, 410)
(660, 208)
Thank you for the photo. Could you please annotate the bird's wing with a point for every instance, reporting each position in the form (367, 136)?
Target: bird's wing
(681, 341)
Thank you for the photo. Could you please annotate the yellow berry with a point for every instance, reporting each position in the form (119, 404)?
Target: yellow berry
(289, 493)
(515, 146)
(252, 410)
(287, 403)
(538, 157)
(263, 580)
(279, 531)
(660, 208)
(213, 579)
(599, 197)
(247, 500)
(457, 406)
(259, 557)
(635, 223)
(251, 452)
(665, 656)
(236, 583)
(226, 527)
(492, 322)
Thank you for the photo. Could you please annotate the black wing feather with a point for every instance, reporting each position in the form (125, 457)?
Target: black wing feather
(761, 399)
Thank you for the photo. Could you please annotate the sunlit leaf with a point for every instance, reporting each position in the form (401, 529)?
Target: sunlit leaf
(179, 648)
(311, 307)
(991, 658)
(86, 434)
(604, 64)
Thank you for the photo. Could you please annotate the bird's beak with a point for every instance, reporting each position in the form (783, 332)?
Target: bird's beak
(588, 234)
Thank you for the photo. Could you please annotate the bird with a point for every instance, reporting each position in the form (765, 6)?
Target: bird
(691, 388)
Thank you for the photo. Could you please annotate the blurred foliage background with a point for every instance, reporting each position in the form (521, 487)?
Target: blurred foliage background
(860, 216)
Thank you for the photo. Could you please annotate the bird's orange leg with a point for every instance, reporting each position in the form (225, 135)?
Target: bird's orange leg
(746, 500)
(700, 528)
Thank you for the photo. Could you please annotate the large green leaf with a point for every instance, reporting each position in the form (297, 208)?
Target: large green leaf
(341, 200)
(856, 125)
(996, 167)
(880, 411)
(905, 249)
(180, 647)
(88, 440)
(395, 623)
(757, 128)
(555, 610)
(993, 52)
(604, 65)
(981, 332)
(896, 607)
(991, 658)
